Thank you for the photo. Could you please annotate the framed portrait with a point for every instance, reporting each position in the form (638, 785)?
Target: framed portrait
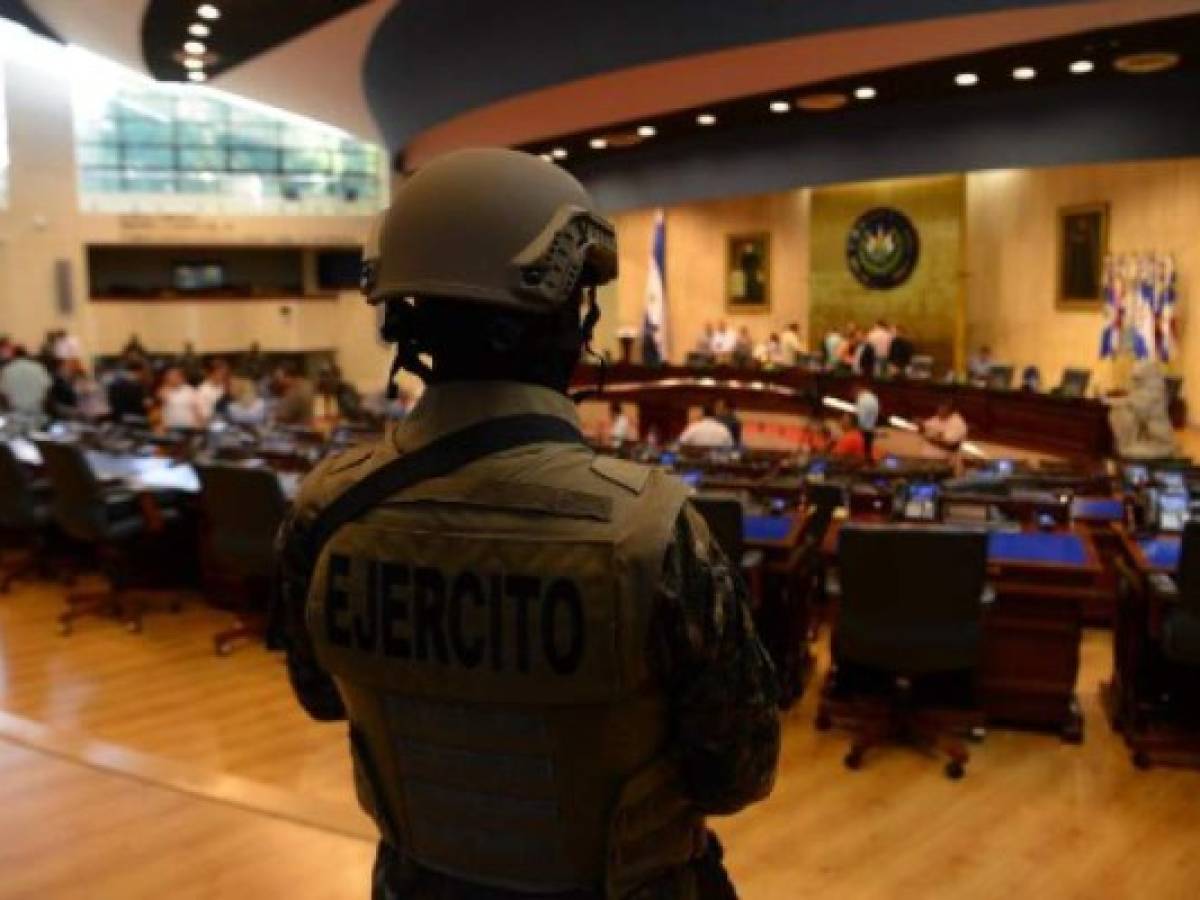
(748, 273)
(1082, 244)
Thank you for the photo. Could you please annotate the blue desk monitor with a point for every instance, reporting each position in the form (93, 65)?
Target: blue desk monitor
(921, 502)
(691, 478)
(818, 467)
(667, 460)
(1003, 467)
(1171, 480)
(1172, 511)
(1136, 476)
(891, 461)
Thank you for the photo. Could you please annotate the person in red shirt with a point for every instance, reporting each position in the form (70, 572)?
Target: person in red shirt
(852, 444)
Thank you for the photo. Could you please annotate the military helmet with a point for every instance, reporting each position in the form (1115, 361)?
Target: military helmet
(490, 226)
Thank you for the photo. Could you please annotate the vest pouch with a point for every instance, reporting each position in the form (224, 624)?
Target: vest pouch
(654, 831)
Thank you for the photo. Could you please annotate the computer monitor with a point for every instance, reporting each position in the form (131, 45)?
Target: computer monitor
(1135, 476)
(1171, 480)
(818, 468)
(1003, 467)
(920, 502)
(1000, 378)
(890, 462)
(1173, 511)
(691, 478)
(1074, 382)
(667, 459)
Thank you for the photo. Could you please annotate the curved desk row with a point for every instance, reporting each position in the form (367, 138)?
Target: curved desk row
(1073, 427)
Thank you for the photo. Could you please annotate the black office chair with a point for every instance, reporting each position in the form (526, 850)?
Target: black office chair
(1181, 625)
(106, 517)
(1074, 383)
(726, 518)
(906, 647)
(243, 508)
(25, 514)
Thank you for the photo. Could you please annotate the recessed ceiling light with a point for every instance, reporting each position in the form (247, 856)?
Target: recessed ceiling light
(559, 153)
(706, 119)
(208, 11)
(1081, 66)
(197, 75)
(195, 48)
(598, 143)
(966, 79)
(192, 62)
(647, 131)
(198, 29)
(780, 106)
(1024, 73)
(1146, 63)
(866, 92)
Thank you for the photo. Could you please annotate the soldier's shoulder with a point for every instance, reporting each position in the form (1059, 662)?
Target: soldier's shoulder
(634, 477)
(337, 472)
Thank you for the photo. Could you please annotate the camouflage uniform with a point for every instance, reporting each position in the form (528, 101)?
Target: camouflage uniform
(718, 682)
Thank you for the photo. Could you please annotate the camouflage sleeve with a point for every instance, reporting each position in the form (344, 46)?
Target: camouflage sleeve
(721, 683)
(312, 685)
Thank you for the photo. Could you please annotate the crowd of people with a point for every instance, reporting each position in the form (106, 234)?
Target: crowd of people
(181, 392)
(882, 348)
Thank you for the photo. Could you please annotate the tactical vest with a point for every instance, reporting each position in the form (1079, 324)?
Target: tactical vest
(488, 632)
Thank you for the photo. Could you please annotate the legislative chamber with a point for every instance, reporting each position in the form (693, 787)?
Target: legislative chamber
(845, 543)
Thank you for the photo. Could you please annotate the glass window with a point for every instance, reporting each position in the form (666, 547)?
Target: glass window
(143, 145)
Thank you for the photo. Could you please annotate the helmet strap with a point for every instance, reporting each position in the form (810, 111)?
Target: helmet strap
(586, 331)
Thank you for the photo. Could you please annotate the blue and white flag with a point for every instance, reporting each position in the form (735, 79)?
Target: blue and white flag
(1114, 314)
(654, 323)
(1165, 306)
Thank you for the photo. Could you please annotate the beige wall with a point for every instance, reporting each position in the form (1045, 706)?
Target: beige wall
(696, 246)
(1011, 258)
(43, 224)
(927, 303)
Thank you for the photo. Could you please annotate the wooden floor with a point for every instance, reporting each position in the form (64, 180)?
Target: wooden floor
(143, 766)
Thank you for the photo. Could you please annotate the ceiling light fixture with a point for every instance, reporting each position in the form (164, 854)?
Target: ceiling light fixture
(1024, 73)
(192, 62)
(199, 29)
(706, 119)
(598, 143)
(559, 153)
(1081, 66)
(197, 75)
(208, 11)
(195, 48)
(647, 131)
(780, 106)
(966, 79)
(866, 92)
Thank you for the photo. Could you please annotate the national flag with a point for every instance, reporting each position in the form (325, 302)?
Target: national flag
(654, 323)
(1110, 335)
(1166, 307)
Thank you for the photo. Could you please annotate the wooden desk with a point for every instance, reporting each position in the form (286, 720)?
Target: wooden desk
(1155, 731)
(1044, 422)
(790, 580)
(1032, 630)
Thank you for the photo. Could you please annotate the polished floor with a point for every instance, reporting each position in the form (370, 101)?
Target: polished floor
(144, 766)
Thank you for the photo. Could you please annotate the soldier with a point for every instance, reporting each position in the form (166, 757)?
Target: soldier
(548, 667)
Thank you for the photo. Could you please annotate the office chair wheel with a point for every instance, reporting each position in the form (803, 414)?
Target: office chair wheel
(853, 760)
(1141, 760)
(955, 770)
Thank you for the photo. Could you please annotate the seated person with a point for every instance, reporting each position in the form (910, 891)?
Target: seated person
(246, 407)
(944, 432)
(772, 354)
(127, 392)
(743, 348)
(792, 345)
(180, 404)
(724, 340)
(214, 389)
(901, 352)
(1031, 379)
(852, 444)
(707, 432)
(620, 429)
(294, 405)
(704, 343)
(979, 365)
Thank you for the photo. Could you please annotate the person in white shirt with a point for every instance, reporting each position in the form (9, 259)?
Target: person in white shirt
(181, 406)
(214, 390)
(944, 432)
(792, 344)
(24, 384)
(707, 433)
(67, 346)
(833, 347)
(880, 338)
(772, 352)
(724, 339)
(620, 429)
